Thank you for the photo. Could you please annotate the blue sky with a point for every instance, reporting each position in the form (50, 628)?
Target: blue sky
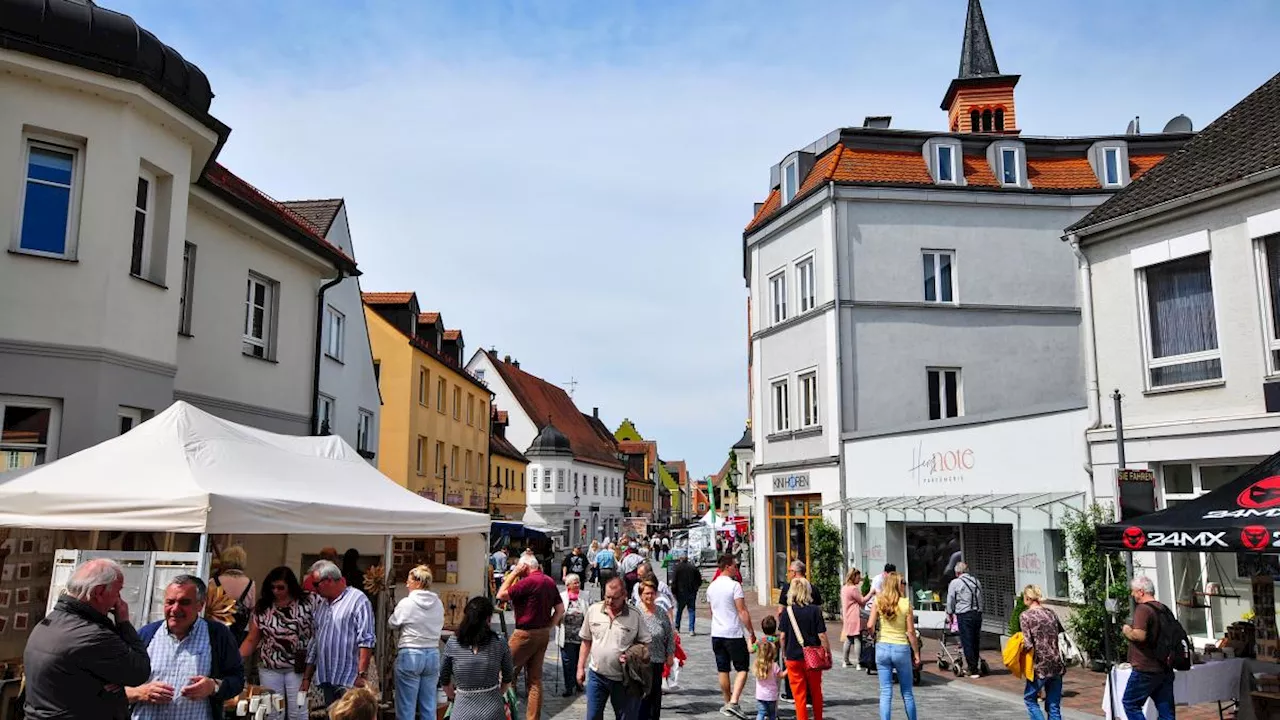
(568, 181)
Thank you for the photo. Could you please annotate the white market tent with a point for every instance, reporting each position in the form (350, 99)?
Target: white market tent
(188, 471)
(711, 520)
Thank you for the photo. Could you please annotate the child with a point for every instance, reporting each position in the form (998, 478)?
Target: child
(766, 671)
(356, 704)
(672, 674)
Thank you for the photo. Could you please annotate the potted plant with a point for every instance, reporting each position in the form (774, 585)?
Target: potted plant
(1088, 621)
(1015, 620)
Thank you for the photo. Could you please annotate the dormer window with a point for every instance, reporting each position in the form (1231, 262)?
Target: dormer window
(1010, 172)
(1111, 167)
(790, 180)
(945, 163)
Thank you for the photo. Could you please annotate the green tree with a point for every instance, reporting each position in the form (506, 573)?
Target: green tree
(1089, 620)
(824, 550)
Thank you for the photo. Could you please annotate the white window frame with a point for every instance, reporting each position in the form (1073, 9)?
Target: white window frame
(424, 382)
(335, 332)
(50, 445)
(187, 292)
(267, 341)
(937, 276)
(1271, 344)
(778, 296)
(466, 466)
(471, 409)
(560, 480)
(148, 226)
(441, 388)
(325, 403)
(364, 429)
(61, 145)
(942, 399)
(780, 404)
(938, 164)
(132, 414)
(1017, 166)
(439, 467)
(809, 403)
(1151, 362)
(421, 464)
(806, 283)
(1108, 152)
(457, 402)
(790, 189)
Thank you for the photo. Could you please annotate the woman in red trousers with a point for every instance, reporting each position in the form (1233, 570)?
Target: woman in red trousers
(801, 625)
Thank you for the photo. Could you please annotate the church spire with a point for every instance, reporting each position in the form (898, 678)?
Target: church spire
(977, 57)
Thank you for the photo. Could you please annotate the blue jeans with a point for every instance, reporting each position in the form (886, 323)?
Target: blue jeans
(600, 690)
(889, 658)
(1143, 685)
(417, 676)
(690, 603)
(1052, 687)
(766, 710)
(569, 664)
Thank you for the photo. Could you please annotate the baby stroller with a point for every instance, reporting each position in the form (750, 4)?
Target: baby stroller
(867, 655)
(951, 654)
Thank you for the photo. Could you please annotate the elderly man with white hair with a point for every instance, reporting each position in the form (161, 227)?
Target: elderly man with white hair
(339, 656)
(81, 657)
(1151, 678)
(964, 603)
(538, 609)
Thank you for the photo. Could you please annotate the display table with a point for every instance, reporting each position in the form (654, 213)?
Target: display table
(1220, 681)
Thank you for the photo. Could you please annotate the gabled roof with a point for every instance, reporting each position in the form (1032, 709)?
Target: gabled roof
(499, 445)
(544, 402)
(386, 298)
(1244, 141)
(452, 334)
(428, 318)
(320, 213)
(271, 212)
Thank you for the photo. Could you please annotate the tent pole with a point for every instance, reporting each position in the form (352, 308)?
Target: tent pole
(202, 569)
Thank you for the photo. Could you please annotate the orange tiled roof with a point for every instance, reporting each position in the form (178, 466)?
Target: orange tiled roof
(452, 334)
(977, 171)
(1140, 164)
(1062, 173)
(428, 318)
(502, 417)
(386, 298)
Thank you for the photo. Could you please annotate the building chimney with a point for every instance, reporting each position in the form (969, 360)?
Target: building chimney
(506, 359)
(515, 364)
(595, 413)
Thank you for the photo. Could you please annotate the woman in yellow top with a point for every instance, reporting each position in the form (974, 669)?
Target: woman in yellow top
(896, 647)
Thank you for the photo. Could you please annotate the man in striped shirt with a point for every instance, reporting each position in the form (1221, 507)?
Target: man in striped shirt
(339, 656)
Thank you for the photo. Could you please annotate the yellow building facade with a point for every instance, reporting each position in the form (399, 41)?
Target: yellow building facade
(434, 428)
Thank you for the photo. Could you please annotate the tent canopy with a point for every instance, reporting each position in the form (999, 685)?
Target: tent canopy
(1241, 516)
(185, 470)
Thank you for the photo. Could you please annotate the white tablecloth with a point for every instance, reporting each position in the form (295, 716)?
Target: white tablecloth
(1220, 680)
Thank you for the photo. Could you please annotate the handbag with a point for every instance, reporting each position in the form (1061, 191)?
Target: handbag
(815, 658)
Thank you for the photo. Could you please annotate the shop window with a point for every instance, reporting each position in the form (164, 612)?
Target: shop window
(932, 554)
(1177, 479)
(789, 521)
(1059, 582)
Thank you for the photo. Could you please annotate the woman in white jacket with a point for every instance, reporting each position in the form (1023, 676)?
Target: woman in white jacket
(419, 618)
(575, 612)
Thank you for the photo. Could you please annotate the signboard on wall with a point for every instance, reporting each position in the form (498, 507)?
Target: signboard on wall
(1137, 493)
(793, 482)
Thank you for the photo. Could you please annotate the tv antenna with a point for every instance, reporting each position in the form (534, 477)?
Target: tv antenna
(572, 385)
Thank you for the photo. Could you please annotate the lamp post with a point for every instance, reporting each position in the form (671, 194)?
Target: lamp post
(577, 522)
(493, 491)
(444, 484)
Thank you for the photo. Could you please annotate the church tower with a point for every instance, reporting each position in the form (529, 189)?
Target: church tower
(980, 99)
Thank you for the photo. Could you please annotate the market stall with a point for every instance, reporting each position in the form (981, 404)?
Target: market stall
(1243, 517)
(186, 471)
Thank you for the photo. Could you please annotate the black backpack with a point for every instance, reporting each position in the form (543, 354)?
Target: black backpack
(1172, 646)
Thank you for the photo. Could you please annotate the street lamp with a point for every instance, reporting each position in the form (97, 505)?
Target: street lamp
(493, 491)
(444, 484)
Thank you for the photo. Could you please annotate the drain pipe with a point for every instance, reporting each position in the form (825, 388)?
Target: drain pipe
(845, 516)
(315, 368)
(1088, 329)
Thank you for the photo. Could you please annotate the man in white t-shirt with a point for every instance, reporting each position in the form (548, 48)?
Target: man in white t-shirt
(877, 582)
(730, 626)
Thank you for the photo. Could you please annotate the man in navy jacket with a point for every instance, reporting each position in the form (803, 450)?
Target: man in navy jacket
(192, 660)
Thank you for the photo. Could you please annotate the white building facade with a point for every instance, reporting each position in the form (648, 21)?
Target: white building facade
(1182, 309)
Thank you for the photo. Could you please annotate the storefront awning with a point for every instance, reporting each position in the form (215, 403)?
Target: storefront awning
(920, 506)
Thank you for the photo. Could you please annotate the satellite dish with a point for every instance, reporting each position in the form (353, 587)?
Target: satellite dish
(1180, 124)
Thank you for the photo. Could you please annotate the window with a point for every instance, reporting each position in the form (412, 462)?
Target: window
(457, 402)
(188, 288)
(440, 385)
(335, 325)
(790, 181)
(575, 483)
(809, 400)
(423, 377)
(466, 467)
(946, 164)
(1009, 166)
(47, 220)
(781, 407)
(471, 409)
(1059, 583)
(439, 459)
(28, 432)
(778, 296)
(1182, 333)
(479, 373)
(259, 325)
(975, 120)
(595, 485)
(144, 204)
(130, 418)
(453, 461)
(999, 119)
(521, 482)
(480, 465)
(560, 480)
(422, 455)
(1111, 166)
(804, 275)
(938, 280)
(324, 415)
(364, 429)
(1271, 250)
(944, 393)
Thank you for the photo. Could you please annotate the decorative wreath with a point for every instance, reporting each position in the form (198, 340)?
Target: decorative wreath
(219, 606)
(375, 580)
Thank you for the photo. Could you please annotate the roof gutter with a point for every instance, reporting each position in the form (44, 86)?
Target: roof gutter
(315, 368)
(1174, 204)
